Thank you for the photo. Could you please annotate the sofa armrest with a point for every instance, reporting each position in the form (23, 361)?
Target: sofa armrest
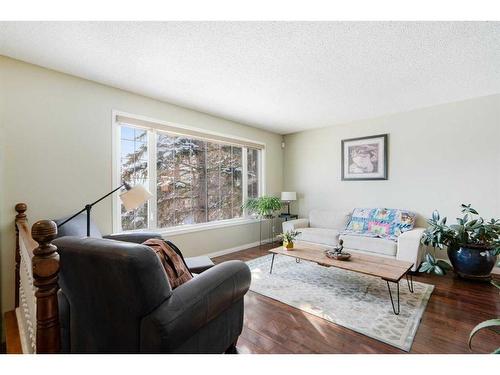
(134, 237)
(295, 224)
(410, 248)
(193, 305)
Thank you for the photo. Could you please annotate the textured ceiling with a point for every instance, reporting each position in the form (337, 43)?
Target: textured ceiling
(280, 76)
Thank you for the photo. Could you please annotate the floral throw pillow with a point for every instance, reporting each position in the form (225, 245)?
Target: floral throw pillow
(386, 223)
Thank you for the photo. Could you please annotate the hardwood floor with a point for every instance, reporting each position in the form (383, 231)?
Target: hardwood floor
(454, 308)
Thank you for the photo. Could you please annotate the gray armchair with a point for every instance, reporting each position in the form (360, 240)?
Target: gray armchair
(78, 227)
(115, 298)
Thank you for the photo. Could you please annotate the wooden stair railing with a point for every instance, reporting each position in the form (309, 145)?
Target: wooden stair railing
(38, 256)
(20, 218)
(45, 274)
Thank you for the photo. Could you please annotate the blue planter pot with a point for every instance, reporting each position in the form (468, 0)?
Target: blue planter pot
(472, 263)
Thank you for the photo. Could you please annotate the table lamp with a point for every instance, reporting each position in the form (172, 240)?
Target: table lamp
(132, 198)
(288, 197)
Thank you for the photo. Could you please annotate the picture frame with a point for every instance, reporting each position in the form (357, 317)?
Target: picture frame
(365, 158)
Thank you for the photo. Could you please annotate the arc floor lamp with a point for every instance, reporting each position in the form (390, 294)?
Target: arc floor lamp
(132, 198)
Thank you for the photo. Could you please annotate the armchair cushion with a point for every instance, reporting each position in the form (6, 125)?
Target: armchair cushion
(199, 264)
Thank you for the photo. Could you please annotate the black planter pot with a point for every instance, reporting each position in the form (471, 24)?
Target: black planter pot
(472, 262)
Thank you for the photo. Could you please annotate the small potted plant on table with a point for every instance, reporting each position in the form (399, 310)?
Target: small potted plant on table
(472, 244)
(288, 238)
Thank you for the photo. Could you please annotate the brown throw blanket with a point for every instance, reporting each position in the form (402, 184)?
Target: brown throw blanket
(177, 271)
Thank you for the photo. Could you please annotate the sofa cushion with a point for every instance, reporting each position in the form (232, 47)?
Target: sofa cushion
(327, 219)
(370, 244)
(319, 235)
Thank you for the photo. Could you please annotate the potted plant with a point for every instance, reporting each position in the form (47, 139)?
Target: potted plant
(472, 244)
(288, 237)
(263, 206)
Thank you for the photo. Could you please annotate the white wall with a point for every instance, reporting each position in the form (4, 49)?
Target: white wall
(439, 157)
(55, 154)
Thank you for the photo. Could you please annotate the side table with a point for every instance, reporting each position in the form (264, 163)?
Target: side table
(272, 230)
(287, 217)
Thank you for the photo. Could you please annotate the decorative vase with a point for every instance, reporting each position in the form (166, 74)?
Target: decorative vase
(472, 262)
(288, 245)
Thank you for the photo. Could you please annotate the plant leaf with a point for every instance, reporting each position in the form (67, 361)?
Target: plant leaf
(430, 259)
(424, 267)
(444, 265)
(439, 271)
(435, 215)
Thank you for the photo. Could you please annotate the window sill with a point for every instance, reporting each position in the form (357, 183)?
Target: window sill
(192, 228)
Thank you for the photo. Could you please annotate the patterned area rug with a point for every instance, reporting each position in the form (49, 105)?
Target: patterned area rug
(355, 301)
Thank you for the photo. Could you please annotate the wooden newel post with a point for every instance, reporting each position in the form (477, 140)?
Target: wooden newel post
(21, 216)
(45, 274)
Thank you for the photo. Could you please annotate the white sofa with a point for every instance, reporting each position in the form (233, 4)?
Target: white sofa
(324, 227)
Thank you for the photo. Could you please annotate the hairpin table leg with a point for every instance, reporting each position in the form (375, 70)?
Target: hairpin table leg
(272, 263)
(410, 282)
(392, 301)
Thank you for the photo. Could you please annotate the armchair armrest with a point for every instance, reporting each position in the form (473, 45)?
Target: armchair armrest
(193, 305)
(410, 248)
(135, 237)
(295, 224)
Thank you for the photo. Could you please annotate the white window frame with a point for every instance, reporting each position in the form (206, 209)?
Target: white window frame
(180, 229)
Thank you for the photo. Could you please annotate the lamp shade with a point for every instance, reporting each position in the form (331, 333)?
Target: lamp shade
(135, 197)
(288, 196)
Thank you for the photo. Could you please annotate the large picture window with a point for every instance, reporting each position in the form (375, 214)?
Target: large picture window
(193, 179)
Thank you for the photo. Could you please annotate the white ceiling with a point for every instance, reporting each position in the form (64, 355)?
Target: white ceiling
(280, 76)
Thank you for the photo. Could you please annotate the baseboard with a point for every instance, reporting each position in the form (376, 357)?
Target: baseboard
(232, 249)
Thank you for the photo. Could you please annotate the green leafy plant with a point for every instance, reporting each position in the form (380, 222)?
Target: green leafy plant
(491, 324)
(433, 265)
(288, 236)
(469, 231)
(263, 206)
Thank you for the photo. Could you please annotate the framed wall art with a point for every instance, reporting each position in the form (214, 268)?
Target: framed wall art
(365, 158)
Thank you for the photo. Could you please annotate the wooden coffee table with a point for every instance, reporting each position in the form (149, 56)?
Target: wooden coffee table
(389, 270)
